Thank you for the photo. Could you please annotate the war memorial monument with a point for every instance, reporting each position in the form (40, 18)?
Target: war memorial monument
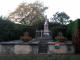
(43, 44)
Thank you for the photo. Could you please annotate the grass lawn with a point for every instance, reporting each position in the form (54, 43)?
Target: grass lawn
(40, 57)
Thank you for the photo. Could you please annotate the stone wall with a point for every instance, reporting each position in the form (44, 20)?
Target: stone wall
(30, 48)
(64, 49)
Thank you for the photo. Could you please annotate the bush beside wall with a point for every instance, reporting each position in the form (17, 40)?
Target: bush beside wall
(71, 27)
(11, 31)
(6, 30)
(20, 29)
(79, 26)
(56, 30)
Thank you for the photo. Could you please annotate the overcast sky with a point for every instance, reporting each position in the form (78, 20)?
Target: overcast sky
(70, 7)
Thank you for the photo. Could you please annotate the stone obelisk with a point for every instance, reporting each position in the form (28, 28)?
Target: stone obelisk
(46, 29)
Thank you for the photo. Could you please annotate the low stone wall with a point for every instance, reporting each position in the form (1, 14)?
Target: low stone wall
(33, 48)
(64, 49)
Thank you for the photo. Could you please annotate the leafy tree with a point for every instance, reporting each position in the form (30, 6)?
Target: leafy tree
(70, 21)
(28, 13)
(62, 18)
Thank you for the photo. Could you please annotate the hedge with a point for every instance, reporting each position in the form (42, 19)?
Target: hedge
(11, 31)
(79, 25)
(71, 28)
(6, 29)
(56, 30)
(20, 29)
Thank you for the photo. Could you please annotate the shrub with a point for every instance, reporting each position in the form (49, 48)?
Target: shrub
(76, 40)
(11, 31)
(19, 30)
(71, 28)
(56, 30)
(6, 30)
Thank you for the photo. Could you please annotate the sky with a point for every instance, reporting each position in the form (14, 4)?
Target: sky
(70, 7)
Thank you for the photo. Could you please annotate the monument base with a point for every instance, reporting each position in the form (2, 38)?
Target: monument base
(45, 34)
(46, 39)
